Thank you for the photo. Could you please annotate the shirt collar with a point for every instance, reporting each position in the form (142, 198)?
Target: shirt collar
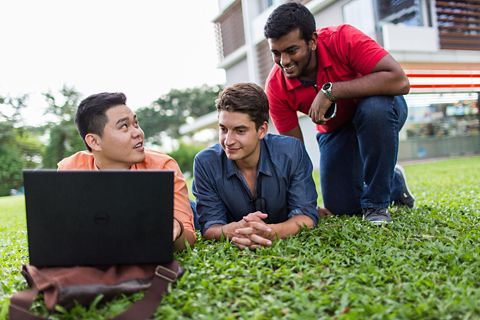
(264, 166)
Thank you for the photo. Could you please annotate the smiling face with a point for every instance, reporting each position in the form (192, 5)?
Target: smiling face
(121, 143)
(239, 137)
(295, 56)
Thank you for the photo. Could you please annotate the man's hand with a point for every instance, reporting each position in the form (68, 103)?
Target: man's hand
(255, 233)
(323, 212)
(319, 107)
(177, 229)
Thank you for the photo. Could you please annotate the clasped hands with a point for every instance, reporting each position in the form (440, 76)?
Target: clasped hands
(253, 232)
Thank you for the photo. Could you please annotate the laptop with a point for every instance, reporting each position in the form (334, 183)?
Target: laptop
(99, 217)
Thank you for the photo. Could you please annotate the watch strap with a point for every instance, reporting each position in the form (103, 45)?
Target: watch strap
(328, 91)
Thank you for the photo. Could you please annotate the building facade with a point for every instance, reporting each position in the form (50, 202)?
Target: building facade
(436, 42)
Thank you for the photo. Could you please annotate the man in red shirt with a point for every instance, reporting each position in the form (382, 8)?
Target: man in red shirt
(351, 88)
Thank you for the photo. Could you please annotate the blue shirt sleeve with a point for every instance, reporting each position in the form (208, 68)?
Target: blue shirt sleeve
(302, 194)
(210, 208)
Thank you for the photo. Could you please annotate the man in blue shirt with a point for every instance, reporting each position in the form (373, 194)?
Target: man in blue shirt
(252, 187)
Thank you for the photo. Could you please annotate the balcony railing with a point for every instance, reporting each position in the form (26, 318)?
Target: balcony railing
(229, 30)
(459, 24)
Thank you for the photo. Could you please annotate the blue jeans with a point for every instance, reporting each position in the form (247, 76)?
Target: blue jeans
(357, 161)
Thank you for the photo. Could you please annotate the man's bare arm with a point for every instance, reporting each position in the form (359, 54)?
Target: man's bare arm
(181, 235)
(257, 233)
(295, 132)
(386, 78)
(292, 226)
(216, 231)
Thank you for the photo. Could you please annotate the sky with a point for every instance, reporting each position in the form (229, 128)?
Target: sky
(143, 48)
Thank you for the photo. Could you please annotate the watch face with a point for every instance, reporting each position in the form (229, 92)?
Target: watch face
(326, 86)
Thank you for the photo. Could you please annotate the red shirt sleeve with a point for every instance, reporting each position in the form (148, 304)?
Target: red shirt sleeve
(284, 117)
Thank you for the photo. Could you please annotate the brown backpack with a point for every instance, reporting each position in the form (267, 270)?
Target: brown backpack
(64, 286)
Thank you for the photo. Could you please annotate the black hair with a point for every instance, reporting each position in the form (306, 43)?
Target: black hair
(288, 17)
(91, 118)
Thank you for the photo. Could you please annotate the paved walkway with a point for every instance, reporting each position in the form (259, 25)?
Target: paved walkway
(415, 161)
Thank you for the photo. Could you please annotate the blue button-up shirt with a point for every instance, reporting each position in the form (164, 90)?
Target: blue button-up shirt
(284, 183)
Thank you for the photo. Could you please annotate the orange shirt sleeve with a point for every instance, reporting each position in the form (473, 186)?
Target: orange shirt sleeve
(182, 211)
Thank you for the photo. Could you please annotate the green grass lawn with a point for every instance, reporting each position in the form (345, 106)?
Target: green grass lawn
(424, 266)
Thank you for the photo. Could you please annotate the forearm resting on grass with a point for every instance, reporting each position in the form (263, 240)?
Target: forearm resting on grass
(253, 232)
(259, 234)
(292, 226)
(217, 231)
(180, 236)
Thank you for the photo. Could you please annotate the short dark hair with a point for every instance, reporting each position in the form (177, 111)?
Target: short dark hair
(246, 98)
(288, 17)
(91, 118)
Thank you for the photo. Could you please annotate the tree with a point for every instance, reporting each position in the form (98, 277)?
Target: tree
(171, 110)
(184, 156)
(19, 145)
(64, 138)
(11, 162)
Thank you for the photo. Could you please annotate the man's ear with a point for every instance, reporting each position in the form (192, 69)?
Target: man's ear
(263, 130)
(93, 141)
(313, 41)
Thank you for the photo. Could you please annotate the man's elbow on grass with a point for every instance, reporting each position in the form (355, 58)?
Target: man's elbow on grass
(187, 238)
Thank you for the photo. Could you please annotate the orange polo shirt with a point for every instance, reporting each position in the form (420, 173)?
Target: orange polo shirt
(154, 160)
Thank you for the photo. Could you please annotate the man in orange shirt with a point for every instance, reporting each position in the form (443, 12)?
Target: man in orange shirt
(114, 139)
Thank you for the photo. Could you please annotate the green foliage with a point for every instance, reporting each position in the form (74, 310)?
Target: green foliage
(171, 110)
(185, 154)
(30, 146)
(19, 146)
(64, 141)
(426, 265)
(16, 104)
(65, 109)
(64, 138)
(11, 164)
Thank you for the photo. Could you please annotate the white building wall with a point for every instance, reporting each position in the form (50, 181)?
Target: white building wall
(222, 4)
(330, 15)
(237, 72)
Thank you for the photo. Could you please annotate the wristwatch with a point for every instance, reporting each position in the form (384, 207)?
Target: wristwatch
(327, 90)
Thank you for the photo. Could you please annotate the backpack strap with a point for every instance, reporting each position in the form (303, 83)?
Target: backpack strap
(21, 302)
(144, 308)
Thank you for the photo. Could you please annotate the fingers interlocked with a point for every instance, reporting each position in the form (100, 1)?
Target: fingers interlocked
(255, 233)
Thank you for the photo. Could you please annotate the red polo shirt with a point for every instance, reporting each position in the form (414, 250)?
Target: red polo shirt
(343, 53)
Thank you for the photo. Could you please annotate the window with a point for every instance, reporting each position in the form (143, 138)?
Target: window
(442, 114)
(407, 12)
